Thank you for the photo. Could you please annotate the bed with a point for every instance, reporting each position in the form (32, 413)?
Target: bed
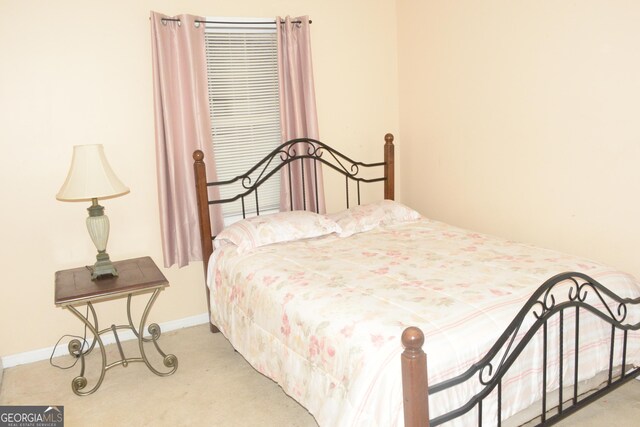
(336, 308)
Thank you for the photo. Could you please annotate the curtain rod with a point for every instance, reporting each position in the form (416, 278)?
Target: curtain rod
(200, 21)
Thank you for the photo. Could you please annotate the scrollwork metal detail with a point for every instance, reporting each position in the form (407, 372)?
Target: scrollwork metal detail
(78, 384)
(563, 291)
(75, 348)
(154, 330)
(600, 292)
(287, 153)
(486, 374)
(581, 293)
(246, 182)
(170, 361)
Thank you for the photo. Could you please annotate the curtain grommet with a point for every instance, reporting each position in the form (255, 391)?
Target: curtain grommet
(196, 24)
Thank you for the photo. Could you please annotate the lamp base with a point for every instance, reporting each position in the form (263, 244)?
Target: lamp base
(98, 226)
(103, 267)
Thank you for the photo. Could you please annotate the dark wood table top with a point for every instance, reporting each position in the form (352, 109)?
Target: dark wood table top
(135, 275)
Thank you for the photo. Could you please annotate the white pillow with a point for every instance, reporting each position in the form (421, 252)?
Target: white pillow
(264, 230)
(367, 217)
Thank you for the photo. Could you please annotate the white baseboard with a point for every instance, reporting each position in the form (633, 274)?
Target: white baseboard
(126, 335)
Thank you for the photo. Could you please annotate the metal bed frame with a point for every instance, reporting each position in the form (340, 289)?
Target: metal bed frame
(555, 297)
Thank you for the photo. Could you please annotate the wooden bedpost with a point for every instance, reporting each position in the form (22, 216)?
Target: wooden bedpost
(388, 167)
(414, 379)
(200, 172)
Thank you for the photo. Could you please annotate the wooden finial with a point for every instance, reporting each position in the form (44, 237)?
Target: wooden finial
(412, 338)
(415, 387)
(198, 155)
(388, 138)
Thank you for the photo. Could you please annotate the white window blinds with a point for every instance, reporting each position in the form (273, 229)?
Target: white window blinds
(242, 68)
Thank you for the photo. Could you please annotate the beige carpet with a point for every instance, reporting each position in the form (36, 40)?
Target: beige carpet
(214, 386)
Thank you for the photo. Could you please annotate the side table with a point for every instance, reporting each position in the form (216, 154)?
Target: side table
(74, 287)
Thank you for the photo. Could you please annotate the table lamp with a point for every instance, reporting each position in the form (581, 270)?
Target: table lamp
(91, 178)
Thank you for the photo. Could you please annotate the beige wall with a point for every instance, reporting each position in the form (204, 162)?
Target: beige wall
(76, 72)
(518, 119)
(521, 119)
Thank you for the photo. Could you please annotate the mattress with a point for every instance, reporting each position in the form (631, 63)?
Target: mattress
(323, 316)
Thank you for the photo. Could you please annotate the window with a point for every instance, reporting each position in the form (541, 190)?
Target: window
(242, 68)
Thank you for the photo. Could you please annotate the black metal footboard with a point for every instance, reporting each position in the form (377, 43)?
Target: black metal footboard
(560, 301)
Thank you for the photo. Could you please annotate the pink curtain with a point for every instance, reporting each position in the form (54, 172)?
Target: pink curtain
(298, 113)
(182, 125)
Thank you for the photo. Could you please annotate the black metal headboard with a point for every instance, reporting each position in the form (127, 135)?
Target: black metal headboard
(307, 152)
(298, 150)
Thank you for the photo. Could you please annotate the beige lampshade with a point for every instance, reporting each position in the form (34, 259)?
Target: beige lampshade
(90, 176)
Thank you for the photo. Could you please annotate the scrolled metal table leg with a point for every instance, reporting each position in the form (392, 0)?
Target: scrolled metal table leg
(95, 322)
(169, 360)
(80, 382)
(131, 326)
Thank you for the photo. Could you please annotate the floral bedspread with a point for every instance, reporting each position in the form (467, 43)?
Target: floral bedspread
(323, 317)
